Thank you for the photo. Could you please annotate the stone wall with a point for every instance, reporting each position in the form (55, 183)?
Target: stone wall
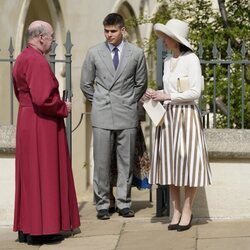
(229, 196)
(7, 139)
(7, 173)
(228, 143)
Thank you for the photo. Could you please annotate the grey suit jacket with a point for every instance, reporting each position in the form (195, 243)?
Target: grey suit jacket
(114, 93)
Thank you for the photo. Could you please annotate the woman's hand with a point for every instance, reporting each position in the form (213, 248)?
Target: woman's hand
(160, 95)
(147, 95)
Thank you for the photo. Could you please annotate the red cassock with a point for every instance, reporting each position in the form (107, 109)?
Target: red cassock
(45, 198)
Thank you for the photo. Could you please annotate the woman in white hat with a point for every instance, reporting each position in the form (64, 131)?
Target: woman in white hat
(180, 156)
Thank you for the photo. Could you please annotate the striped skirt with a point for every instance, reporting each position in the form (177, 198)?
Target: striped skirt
(180, 155)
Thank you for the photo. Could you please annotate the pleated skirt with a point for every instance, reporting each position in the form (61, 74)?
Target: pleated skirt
(180, 155)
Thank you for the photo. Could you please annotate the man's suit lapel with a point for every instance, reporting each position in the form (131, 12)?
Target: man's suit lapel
(126, 53)
(105, 55)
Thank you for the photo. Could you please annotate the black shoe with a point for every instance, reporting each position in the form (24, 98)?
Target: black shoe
(173, 226)
(22, 237)
(103, 214)
(181, 228)
(112, 210)
(43, 239)
(126, 212)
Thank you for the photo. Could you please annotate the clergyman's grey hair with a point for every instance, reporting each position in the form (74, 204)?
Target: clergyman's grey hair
(36, 31)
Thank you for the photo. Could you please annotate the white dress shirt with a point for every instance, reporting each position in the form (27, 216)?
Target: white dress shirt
(119, 47)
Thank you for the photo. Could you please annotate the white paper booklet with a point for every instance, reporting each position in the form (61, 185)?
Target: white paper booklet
(155, 111)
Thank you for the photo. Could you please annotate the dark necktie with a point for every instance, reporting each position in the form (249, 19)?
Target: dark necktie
(116, 57)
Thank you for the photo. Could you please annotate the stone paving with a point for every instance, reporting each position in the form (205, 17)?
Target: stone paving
(143, 232)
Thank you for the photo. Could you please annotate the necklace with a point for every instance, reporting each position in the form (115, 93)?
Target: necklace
(173, 63)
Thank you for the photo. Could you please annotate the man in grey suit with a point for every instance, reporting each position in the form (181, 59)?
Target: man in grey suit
(114, 77)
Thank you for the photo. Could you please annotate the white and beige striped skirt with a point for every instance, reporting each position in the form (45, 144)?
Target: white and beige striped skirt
(180, 155)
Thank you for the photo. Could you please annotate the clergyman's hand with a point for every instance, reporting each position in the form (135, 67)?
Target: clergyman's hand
(69, 106)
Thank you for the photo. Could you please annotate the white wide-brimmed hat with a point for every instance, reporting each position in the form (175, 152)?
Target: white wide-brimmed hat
(174, 28)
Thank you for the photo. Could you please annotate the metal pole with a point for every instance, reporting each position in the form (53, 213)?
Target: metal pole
(162, 192)
(11, 51)
(68, 45)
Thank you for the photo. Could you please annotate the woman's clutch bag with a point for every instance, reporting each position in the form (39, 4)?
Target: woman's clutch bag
(183, 84)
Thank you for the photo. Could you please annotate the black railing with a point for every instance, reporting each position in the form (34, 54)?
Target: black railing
(217, 72)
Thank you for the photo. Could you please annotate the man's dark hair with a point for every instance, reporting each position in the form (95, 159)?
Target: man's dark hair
(114, 19)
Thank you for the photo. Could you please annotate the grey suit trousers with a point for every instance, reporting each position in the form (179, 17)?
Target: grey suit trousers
(103, 144)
